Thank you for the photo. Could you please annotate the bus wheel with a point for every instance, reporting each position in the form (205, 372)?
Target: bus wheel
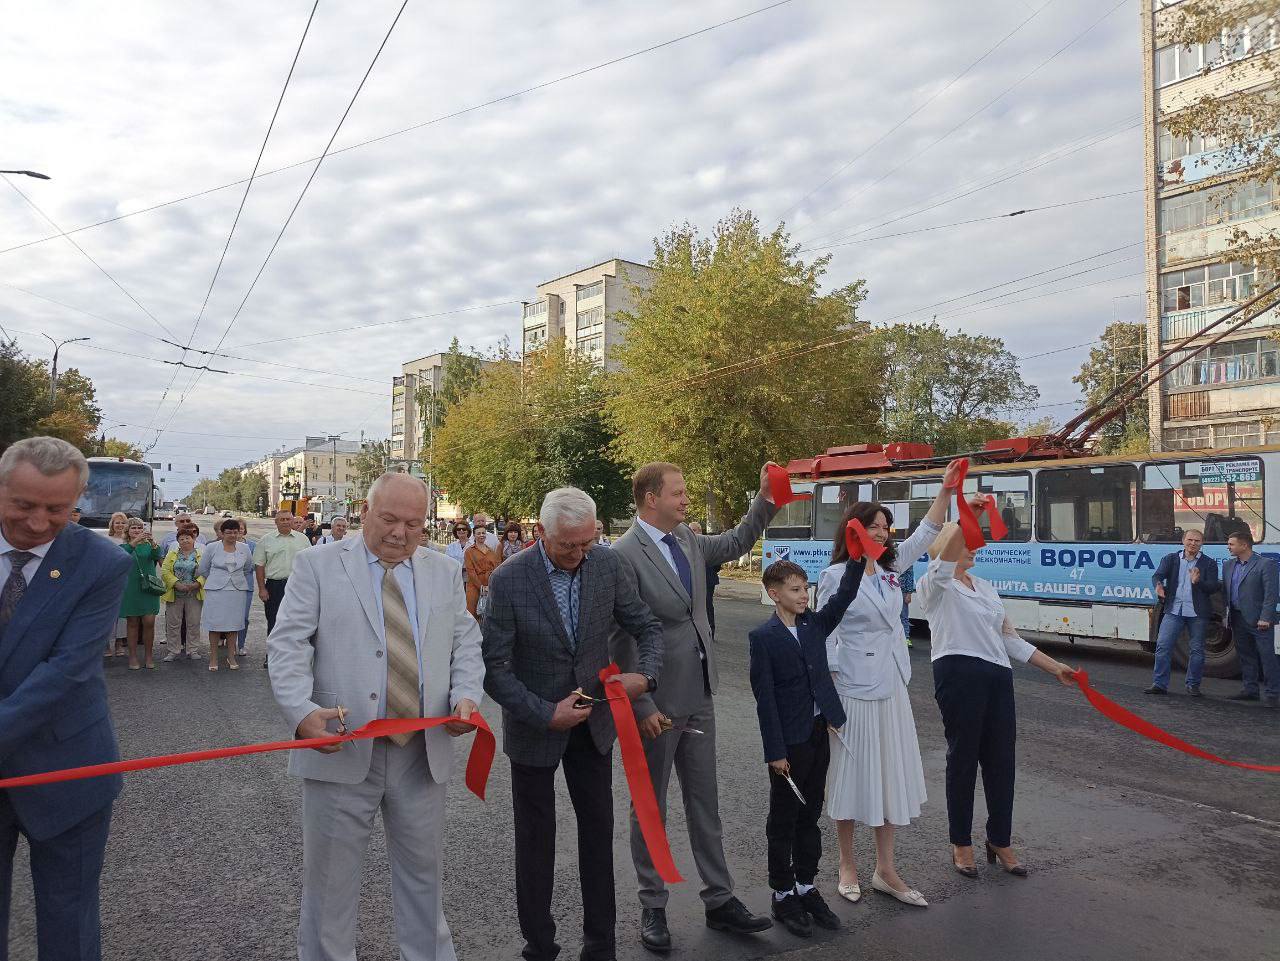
(1220, 656)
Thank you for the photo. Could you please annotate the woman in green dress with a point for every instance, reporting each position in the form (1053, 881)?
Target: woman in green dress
(138, 607)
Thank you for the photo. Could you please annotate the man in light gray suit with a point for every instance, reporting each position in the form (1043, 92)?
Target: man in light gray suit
(551, 613)
(373, 626)
(669, 563)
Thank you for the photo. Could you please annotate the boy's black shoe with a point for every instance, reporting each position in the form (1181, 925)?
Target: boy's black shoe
(790, 913)
(818, 911)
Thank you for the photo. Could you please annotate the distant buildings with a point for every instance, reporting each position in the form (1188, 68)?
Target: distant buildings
(582, 306)
(1229, 395)
(409, 435)
(321, 467)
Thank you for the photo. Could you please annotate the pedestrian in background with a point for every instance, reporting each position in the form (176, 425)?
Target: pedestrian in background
(170, 538)
(1185, 581)
(298, 524)
(243, 637)
(972, 642)
(227, 569)
(313, 530)
(184, 595)
(1252, 594)
(273, 560)
(602, 539)
(480, 523)
(479, 562)
(60, 590)
(116, 528)
(337, 531)
(140, 605)
(512, 540)
(75, 515)
(461, 538)
(907, 580)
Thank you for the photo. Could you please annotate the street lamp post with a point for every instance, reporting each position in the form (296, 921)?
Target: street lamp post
(53, 372)
(27, 173)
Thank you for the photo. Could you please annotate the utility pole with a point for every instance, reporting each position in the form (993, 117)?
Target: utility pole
(53, 370)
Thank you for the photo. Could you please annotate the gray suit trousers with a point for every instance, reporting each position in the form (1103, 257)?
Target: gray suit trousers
(337, 820)
(693, 756)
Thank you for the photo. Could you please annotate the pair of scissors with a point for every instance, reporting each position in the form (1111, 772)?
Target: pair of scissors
(342, 719)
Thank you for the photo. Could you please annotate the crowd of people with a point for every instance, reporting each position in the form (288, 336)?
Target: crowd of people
(372, 624)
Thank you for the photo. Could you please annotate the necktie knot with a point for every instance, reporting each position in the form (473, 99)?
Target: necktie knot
(669, 540)
(389, 565)
(19, 559)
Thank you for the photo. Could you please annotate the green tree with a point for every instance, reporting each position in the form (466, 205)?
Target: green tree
(205, 491)
(951, 390)
(370, 464)
(460, 374)
(115, 447)
(227, 496)
(22, 404)
(1122, 353)
(253, 491)
(528, 429)
(734, 357)
(25, 410)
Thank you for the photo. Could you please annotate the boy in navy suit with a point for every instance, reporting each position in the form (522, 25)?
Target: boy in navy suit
(796, 702)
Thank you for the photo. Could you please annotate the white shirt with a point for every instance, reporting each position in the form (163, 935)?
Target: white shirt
(456, 551)
(29, 569)
(656, 536)
(404, 578)
(966, 621)
(330, 539)
(170, 541)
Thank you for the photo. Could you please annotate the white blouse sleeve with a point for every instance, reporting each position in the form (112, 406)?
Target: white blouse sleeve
(828, 583)
(1015, 646)
(930, 588)
(910, 550)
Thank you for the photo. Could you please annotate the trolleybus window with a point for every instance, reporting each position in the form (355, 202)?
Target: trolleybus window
(1218, 497)
(795, 520)
(1013, 499)
(1086, 503)
(908, 501)
(830, 504)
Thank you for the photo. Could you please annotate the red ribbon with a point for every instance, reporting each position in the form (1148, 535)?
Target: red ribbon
(858, 542)
(478, 763)
(968, 520)
(1125, 718)
(780, 486)
(639, 781)
(999, 530)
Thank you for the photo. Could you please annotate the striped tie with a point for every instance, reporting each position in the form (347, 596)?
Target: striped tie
(402, 653)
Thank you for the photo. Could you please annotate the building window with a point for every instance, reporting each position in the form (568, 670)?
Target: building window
(1180, 63)
(1086, 504)
(397, 381)
(592, 347)
(588, 320)
(1186, 438)
(1233, 362)
(1175, 148)
(1208, 286)
(1012, 493)
(587, 291)
(538, 309)
(833, 500)
(1217, 497)
(1217, 205)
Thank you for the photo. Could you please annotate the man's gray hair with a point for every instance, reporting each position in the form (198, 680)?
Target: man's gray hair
(394, 477)
(567, 505)
(48, 455)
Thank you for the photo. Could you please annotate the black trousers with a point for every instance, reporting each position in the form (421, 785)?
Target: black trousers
(795, 840)
(275, 594)
(976, 699)
(589, 776)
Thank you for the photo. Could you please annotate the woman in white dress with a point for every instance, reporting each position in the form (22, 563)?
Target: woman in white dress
(876, 776)
(227, 569)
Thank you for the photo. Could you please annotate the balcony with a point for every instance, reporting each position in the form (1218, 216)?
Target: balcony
(1185, 323)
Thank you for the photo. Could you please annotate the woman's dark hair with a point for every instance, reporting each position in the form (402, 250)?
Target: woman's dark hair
(513, 526)
(865, 513)
(229, 524)
(463, 526)
(191, 529)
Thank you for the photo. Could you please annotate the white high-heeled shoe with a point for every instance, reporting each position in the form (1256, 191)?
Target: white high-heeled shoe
(850, 892)
(910, 896)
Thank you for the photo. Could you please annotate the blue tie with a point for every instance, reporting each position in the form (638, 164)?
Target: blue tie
(682, 563)
(15, 586)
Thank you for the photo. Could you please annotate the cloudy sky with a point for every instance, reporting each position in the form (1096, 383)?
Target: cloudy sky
(790, 112)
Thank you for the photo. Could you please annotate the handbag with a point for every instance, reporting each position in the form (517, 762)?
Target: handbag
(148, 581)
(482, 605)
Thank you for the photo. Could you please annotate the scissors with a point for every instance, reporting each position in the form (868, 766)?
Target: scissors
(795, 790)
(342, 719)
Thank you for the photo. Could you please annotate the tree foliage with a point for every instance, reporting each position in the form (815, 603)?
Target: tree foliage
(1122, 353)
(526, 429)
(115, 447)
(253, 491)
(459, 376)
(25, 410)
(369, 465)
(951, 390)
(690, 388)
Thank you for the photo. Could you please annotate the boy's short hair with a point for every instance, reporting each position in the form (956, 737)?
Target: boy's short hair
(779, 572)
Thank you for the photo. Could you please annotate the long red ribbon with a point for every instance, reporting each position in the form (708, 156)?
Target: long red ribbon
(478, 763)
(858, 542)
(639, 781)
(1126, 718)
(999, 529)
(780, 486)
(968, 520)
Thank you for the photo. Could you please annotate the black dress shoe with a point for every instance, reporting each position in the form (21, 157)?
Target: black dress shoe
(1194, 692)
(1271, 702)
(1155, 689)
(654, 933)
(1243, 696)
(734, 916)
(819, 913)
(791, 915)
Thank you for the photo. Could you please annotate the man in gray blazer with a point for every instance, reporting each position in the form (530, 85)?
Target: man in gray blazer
(371, 625)
(669, 563)
(546, 636)
(1253, 590)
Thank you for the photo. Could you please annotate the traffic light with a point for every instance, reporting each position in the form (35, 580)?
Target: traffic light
(197, 468)
(169, 467)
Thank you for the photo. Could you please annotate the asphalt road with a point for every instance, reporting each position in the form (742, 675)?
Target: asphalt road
(1136, 852)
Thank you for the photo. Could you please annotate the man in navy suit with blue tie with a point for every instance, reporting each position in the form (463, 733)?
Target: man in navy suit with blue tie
(60, 589)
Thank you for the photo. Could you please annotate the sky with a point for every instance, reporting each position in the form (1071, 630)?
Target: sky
(871, 129)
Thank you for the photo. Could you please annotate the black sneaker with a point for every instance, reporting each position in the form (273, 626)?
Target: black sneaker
(819, 913)
(1243, 696)
(1155, 689)
(1194, 692)
(790, 913)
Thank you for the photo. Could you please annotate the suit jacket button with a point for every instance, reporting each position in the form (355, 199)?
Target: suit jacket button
(379, 654)
(373, 697)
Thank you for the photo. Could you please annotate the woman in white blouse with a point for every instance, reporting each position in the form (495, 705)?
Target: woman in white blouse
(973, 642)
(876, 776)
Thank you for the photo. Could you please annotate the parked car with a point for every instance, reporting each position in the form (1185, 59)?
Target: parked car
(227, 514)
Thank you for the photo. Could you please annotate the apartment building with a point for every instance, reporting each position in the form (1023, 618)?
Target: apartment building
(1229, 395)
(409, 435)
(271, 467)
(322, 467)
(582, 308)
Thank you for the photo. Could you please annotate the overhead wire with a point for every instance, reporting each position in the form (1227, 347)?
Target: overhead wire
(425, 123)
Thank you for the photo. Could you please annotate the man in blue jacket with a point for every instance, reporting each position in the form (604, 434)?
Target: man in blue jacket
(1253, 591)
(60, 589)
(797, 702)
(1186, 581)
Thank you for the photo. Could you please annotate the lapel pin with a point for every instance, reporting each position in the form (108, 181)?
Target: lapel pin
(55, 573)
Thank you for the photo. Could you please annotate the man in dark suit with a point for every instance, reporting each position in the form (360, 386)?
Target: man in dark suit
(1186, 582)
(60, 590)
(1253, 591)
(669, 563)
(546, 639)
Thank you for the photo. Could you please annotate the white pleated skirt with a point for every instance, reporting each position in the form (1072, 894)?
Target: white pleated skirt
(876, 776)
